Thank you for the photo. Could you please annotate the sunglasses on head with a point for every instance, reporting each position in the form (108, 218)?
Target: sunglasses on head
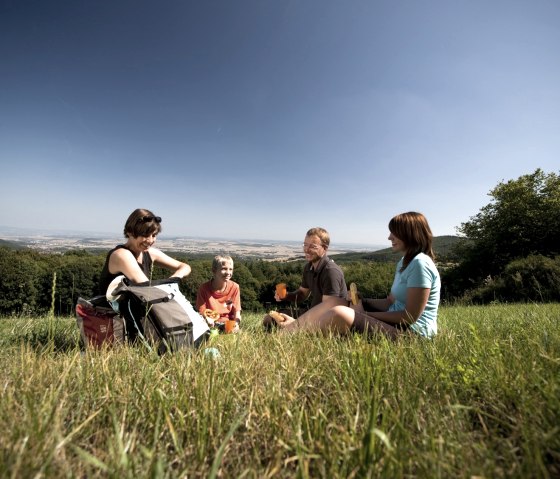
(147, 219)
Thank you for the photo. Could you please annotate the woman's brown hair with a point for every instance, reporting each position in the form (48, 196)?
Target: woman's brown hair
(142, 222)
(413, 230)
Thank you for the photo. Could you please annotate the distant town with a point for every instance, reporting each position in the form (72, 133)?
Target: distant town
(264, 249)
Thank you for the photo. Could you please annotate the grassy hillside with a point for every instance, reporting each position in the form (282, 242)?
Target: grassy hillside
(480, 400)
(10, 244)
(443, 247)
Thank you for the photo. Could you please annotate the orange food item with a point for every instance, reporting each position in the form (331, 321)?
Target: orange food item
(277, 316)
(353, 293)
(211, 314)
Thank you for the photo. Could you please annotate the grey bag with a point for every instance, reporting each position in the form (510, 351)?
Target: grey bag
(159, 314)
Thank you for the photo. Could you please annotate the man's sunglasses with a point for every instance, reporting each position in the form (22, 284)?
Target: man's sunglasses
(147, 219)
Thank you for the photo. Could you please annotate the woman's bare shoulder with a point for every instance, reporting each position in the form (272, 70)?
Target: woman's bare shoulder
(122, 254)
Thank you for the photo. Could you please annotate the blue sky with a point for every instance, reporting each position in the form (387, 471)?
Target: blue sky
(260, 119)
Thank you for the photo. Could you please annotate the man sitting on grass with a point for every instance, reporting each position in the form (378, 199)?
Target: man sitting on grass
(322, 277)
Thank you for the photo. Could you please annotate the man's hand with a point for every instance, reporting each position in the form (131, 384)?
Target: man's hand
(288, 320)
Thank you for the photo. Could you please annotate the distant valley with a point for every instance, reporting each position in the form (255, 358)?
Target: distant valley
(197, 247)
(263, 249)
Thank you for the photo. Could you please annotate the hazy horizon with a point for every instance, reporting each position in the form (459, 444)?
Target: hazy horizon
(14, 231)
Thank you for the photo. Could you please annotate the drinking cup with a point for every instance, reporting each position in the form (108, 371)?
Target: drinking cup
(281, 290)
(229, 325)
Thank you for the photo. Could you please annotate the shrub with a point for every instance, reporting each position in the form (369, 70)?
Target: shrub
(535, 278)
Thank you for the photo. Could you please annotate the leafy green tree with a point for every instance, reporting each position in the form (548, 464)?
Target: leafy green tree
(522, 219)
(201, 271)
(373, 279)
(77, 275)
(18, 282)
(248, 287)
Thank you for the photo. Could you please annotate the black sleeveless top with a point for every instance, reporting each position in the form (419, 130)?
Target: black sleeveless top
(106, 277)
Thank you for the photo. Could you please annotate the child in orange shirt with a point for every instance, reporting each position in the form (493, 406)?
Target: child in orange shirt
(220, 294)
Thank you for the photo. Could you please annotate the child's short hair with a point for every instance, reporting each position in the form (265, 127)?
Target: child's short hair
(219, 260)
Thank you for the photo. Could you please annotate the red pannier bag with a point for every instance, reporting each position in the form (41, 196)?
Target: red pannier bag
(99, 325)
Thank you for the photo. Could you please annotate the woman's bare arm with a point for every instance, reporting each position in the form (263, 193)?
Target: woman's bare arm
(178, 269)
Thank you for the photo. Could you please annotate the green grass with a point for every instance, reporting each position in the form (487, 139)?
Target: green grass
(480, 400)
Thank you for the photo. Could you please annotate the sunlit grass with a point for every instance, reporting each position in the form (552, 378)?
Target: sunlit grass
(482, 399)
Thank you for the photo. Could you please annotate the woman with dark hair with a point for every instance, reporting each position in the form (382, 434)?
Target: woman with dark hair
(413, 302)
(136, 257)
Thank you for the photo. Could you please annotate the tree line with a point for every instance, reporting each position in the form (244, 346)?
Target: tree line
(509, 251)
(33, 282)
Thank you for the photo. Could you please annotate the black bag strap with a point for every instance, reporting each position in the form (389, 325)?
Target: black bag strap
(157, 282)
(164, 299)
